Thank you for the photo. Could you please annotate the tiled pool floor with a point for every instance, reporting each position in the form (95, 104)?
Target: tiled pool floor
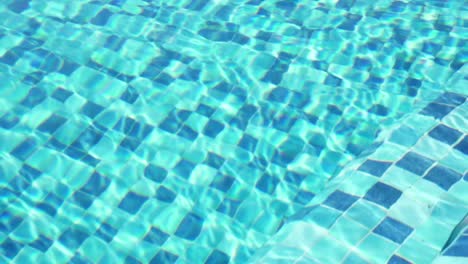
(189, 131)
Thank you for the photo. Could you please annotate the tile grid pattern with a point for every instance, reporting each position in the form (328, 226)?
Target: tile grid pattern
(96, 149)
(401, 200)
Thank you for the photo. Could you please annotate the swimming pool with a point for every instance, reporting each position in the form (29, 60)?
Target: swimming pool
(195, 131)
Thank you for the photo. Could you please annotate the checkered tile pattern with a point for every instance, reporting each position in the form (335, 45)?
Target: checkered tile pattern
(191, 129)
(389, 206)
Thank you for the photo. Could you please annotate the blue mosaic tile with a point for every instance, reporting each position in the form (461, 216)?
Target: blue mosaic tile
(190, 227)
(132, 202)
(443, 177)
(452, 99)
(155, 173)
(393, 230)
(184, 168)
(445, 134)
(213, 128)
(106, 232)
(9, 120)
(24, 149)
(267, 183)
(164, 257)
(34, 97)
(222, 182)
(217, 257)
(395, 259)
(10, 248)
(229, 207)
(52, 124)
(415, 163)
(156, 236)
(165, 195)
(340, 200)
(383, 194)
(375, 167)
(73, 238)
(42, 243)
(436, 110)
(463, 145)
(458, 248)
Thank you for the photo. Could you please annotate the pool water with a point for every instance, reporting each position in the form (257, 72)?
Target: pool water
(189, 131)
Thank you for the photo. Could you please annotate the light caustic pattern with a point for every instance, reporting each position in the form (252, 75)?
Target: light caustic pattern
(187, 131)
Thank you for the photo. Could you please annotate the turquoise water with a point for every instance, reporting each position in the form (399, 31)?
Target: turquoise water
(189, 131)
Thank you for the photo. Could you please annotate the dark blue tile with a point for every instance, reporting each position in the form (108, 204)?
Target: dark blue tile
(79, 259)
(29, 173)
(217, 257)
(436, 110)
(32, 79)
(156, 236)
(362, 63)
(171, 124)
(303, 197)
(216, 35)
(445, 134)
(82, 199)
(378, 110)
(74, 153)
(458, 248)
(375, 167)
(91, 109)
(214, 160)
(96, 184)
(61, 94)
(19, 6)
(267, 183)
(9, 120)
(383, 194)
(132, 202)
(72, 238)
(393, 230)
(130, 95)
(452, 99)
(125, 125)
(140, 131)
(332, 80)
(165, 195)
(398, 6)
(34, 97)
(294, 178)
(102, 17)
(9, 222)
(24, 149)
(395, 259)
(130, 143)
(10, 247)
(443, 177)
(286, 5)
(213, 128)
(52, 124)
(289, 149)
(431, 48)
(18, 185)
(229, 207)
(188, 133)
(222, 182)
(164, 78)
(155, 173)
(10, 57)
(415, 163)
(164, 257)
(190, 227)
(87, 139)
(131, 260)
(463, 145)
(334, 110)
(248, 143)
(345, 4)
(340, 200)
(191, 74)
(114, 43)
(184, 168)
(205, 110)
(68, 67)
(284, 122)
(42, 243)
(411, 82)
(90, 160)
(106, 232)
